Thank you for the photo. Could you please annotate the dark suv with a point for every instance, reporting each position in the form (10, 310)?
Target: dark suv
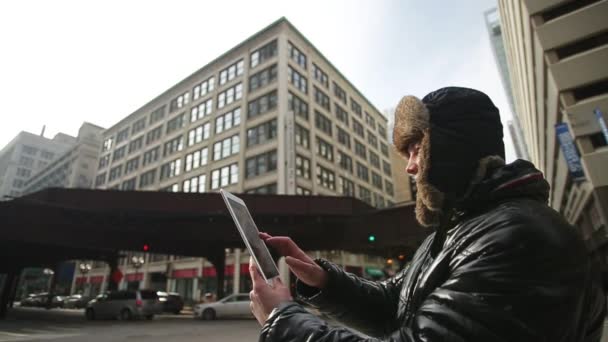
(172, 302)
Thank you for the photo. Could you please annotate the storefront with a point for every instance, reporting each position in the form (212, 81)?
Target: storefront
(96, 282)
(133, 280)
(185, 283)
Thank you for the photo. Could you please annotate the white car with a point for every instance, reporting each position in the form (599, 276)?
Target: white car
(233, 306)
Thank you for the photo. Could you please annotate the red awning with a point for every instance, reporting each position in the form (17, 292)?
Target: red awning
(81, 280)
(186, 273)
(139, 276)
(210, 271)
(96, 280)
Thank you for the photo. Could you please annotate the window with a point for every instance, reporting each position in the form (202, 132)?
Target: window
(115, 172)
(225, 176)
(362, 172)
(389, 188)
(226, 148)
(136, 144)
(345, 161)
(154, 135)
(322, 99)
(374, 160)
(157, 114)
(320, 75)
(47, 155)
(358, 128)
(232, 71)
(198, 134)
(386, 167)
(172, 146)
(263, 78)
(264, 189)
(30, 150)
(296, 55)
(325, 149)
(171, 169)
(323, 123)
(119, 153)
(376, 180)
(176, 123)
(128, 184)
(262, 104)
(179, 102)
(171, 188)
(356, 107)
(203, 109)
(197, 159)
(230, 95)
(203, 88)
(122, 135)
(384, 149)
(382, 131)
(297, 80)
(360, 150)
(26, 161)
(341, 114)
(343, 137)
(21, 172)
(302, 167)
(262, 133)
(302, 191)
(228, 120)
(104, 161)
(138, 126)
(371, 139)
(263, 54)
(346, 186)
(42, 164)
(18, 183)
(297, 105)
(302, 136)
(261, 164)
(131, 165)
(379, 200)
(326, 178)
(107, 144)
(339, 92)
(100, 179)
(370, 120)
(151, 156)
(195, 184)
(365, 195)
(147, 178)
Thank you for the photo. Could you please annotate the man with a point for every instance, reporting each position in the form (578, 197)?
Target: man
(500, 266)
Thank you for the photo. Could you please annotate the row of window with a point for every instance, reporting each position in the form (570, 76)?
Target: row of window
(232, 71)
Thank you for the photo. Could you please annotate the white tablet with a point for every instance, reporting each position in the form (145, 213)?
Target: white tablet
(250, 234)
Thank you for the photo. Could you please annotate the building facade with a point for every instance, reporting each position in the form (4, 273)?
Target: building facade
(272, 115)
(26, 155)
(76, 168)
(492, 19)
(557, 53)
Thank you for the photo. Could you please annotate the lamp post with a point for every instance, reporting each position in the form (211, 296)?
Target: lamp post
(138, 262)
(85, 268)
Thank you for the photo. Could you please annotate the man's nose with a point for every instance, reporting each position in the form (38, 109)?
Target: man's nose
(412, 166)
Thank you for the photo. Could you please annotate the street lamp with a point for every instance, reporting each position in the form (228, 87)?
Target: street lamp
(138, 262)
(85, 268)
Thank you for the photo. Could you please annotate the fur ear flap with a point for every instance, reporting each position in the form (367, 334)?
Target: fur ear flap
(411, 119)
(429, 200)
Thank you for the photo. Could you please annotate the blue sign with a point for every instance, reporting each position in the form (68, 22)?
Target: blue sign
(570, 153)
(600, 120)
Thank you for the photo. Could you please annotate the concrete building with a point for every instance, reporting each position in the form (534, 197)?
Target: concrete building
(73, 169)
(272, 115)
(557, 53)
(496, 40)
(26, 155)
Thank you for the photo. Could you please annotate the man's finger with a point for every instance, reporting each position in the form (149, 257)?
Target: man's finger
(253, 272)
(299, 266)
(264, 236)
(286, 247)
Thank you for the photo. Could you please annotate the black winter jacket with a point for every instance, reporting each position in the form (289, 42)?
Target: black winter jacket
(510, 269)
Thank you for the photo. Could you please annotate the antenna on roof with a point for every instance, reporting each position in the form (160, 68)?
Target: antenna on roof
(43, 129)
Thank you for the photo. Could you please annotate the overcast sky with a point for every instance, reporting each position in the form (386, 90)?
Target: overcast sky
(65, 62)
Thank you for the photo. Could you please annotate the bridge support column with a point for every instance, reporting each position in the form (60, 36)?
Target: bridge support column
(113, 263)
(53, 285)
(7, 291)
(218, 259)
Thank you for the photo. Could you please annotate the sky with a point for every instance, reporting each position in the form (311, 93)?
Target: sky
(66, 62)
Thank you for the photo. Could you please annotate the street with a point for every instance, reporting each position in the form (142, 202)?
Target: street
(34, 324)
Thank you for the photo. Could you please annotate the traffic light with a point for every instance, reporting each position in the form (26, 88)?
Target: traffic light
(389, 261)
(371, 238)
(146, 247)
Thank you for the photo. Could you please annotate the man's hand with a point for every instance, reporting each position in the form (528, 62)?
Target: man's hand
(299, 262)
(263, 297)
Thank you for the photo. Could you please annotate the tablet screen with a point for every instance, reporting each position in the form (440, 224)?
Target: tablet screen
(257, 246)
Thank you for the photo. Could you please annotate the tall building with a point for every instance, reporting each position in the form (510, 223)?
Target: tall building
(557, 52)
(272, 115)
(496, 39)
(74, 168)
(24, 156)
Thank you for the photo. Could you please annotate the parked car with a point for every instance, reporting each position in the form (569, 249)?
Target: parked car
(76, 301)
(172, 302)
(40, 300)
(233, 306)
(125, 305)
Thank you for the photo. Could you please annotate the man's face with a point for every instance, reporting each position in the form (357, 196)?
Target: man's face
(413, 159)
